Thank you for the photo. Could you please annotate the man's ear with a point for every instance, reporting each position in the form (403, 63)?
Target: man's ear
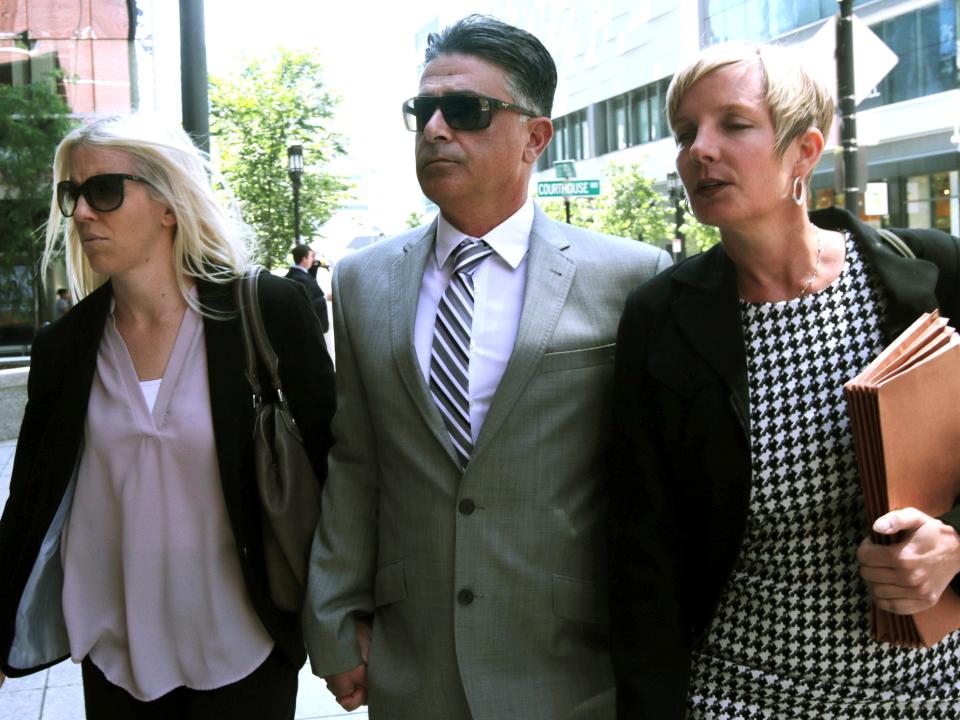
(539, 134)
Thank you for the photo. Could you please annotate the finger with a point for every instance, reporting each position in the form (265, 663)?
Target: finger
(884, 591)
(900, 520)
(364, 636)
(354, 700)
(871, 554)
(903, 607)
(349, 702)
(341, 688)
(877, 575)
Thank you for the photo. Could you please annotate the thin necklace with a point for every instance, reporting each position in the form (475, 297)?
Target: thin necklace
(816, 267)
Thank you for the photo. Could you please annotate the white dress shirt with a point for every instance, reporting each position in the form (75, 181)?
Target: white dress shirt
(498, 284)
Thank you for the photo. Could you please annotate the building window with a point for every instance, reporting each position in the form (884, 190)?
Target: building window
(639, 115)
(570, 140)
(633, 118)
(759, 20)
(933, 201)
(617, 119)
(925, 40)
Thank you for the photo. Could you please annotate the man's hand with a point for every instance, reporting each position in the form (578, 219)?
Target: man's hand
(350, 688)
(364, 628)
(2, 678)
(911, 575)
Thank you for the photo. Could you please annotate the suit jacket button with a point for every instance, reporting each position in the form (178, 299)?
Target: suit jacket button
(245, 552)
(466, 506)
(465, 597)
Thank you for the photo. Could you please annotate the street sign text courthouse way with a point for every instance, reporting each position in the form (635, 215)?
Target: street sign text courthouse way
(568, 188)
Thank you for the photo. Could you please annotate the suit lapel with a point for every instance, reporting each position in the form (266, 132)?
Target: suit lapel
(230, 395)
(71, 410)
(708, 317)
(406, 277)
(550, 274)
(910, 286)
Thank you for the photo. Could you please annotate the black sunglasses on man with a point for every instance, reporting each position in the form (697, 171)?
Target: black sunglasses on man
(103, 193)
(461, 112)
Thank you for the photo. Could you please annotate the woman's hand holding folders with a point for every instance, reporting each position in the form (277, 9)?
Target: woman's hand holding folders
(909, 576)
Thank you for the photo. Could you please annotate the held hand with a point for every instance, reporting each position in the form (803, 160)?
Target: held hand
(350, 688)
(911, 575)
(364, 628)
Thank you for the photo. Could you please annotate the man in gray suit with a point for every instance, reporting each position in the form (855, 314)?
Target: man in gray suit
(463, 514)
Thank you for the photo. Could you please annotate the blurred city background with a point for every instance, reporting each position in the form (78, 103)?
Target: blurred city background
(329, 78)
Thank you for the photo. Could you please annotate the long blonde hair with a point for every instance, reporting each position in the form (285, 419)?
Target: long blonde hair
(209, 241)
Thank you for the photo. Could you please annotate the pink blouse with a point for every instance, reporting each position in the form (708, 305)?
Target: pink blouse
(152, 587)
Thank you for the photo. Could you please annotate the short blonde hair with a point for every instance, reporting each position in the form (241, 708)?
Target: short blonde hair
(209, 242)
(796, 100)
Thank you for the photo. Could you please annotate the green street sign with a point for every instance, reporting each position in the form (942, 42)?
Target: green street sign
(565, 169)
(568, 188)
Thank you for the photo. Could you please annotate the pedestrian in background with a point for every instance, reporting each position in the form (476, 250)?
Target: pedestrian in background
(304, 271)
(63, 304)
(131, 540)
(741, 579)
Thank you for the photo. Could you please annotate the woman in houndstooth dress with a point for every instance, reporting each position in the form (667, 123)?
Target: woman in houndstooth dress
(741, 579)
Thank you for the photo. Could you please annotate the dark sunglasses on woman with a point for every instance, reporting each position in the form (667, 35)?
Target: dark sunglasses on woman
(103, 193)
(461, 112)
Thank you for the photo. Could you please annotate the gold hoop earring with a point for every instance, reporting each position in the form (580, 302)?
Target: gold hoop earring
(798, 191)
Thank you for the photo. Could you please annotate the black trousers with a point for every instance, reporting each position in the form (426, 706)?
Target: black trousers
(268, 693)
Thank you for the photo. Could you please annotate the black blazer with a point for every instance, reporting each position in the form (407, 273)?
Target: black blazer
(61, 373)
(681, 481)
(318, 299)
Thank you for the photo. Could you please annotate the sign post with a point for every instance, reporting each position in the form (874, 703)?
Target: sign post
(565, 170)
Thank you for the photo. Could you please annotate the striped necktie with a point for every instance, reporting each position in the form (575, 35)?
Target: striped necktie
(450, 354)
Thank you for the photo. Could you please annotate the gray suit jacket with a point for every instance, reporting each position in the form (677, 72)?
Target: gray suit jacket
(487, 586)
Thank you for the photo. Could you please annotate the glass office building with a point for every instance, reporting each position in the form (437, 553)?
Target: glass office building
(909, 124)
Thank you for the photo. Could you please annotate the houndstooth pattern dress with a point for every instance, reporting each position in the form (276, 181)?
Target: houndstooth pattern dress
(791, 637)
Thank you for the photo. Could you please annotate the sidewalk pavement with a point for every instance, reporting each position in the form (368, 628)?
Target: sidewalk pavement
(56, 694)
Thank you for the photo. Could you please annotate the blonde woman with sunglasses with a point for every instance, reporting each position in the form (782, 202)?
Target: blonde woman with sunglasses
(131, 541)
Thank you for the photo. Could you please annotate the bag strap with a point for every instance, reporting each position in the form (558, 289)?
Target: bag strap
(255, 340)
(897, 243)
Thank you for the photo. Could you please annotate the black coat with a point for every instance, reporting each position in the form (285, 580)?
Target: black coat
(62, 369)
(318, 299)
(681, 483)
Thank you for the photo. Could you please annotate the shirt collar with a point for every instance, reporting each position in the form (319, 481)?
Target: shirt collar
(510, 239)
(297, 267)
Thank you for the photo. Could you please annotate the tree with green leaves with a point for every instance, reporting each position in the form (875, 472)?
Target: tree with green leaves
(255, 114)
(697, 236)
(414, 220)
(632, 208)
(33, 120)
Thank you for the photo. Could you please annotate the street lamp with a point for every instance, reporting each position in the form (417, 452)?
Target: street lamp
(675, 188)
(295, 170)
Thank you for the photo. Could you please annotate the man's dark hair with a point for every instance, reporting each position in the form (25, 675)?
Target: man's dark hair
(531, 72)
(299, 252)
(61, 291)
